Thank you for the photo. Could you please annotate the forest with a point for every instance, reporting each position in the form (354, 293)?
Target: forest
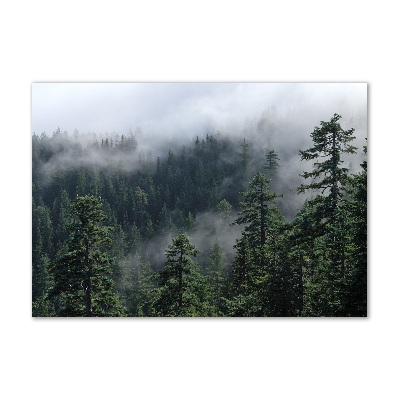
(206, 227)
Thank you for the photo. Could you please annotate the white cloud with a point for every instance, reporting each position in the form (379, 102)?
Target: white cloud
(190, 108)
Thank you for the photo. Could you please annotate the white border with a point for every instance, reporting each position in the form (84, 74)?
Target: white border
(202, 41)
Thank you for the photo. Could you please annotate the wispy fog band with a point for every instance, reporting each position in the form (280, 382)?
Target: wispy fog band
(191, 108)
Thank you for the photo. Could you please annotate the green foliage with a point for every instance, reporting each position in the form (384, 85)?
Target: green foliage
(245, 155)
(166, 224)
(316, 265)
(182, 289)
(324, 225)
(190, 223)
(244, 272)
(42, 236)
(271, 164)
(356, 228)
(42, 307)
(83, 275)
(217, 276)
(258, 280)
(330, 142)
(224, 209)
(257, 210)
(137, 286)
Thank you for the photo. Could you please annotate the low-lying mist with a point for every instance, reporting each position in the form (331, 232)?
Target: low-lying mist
(209, 227)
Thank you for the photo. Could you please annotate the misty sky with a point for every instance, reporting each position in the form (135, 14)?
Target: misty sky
(191, 108)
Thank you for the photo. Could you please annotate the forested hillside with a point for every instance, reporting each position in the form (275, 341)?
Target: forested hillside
(211, 226)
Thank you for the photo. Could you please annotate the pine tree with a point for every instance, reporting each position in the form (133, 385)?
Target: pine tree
(182, 289)
(301, 233)
(243, 291)
(83, 275)
(356, 228)
(190, 223)
(224, 209)
(42, 236)
(166, 225)
(139, 287)
(271, 164)
(42, 251)
(257, 266)
(244, 156)
(257, 210)
(140, 203)
(216, 271)
(330, 142)
(329, 179)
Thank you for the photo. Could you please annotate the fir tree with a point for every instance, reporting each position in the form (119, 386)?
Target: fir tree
(182, 289)
(271, 164)
(329, 179)
(83, 275)
(356, 228)
(256, 269)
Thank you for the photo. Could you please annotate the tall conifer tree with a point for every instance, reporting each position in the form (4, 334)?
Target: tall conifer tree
(83, 275)
(182, 289)
(256, 268)
(329, 179)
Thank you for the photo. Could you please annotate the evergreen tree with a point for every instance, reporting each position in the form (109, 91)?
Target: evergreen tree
(166, 224)
(83, 275)
(60, 216)
(138, 286)
(140, 203)
(243, 291)
(271, 164)
(356, 228)
(257, 210)
(301, 244)
(314, 266)
(182, 289)
(42, 251)
(42, 236)
(257, 274)
(329, 178)
(330, 142)
(224, 210)
(190, 223)
(135, 239)
(245, 155)
(216, 270)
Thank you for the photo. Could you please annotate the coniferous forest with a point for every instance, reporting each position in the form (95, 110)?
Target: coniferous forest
(210, 226)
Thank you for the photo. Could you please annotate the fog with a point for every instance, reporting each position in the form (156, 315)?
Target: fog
(188, 109)
(166, 115)
(163, 116)
(209, 226)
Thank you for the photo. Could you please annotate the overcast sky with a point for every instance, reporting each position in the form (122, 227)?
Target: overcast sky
(190, 108)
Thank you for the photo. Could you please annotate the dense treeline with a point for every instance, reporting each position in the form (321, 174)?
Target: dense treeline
(119, 232)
